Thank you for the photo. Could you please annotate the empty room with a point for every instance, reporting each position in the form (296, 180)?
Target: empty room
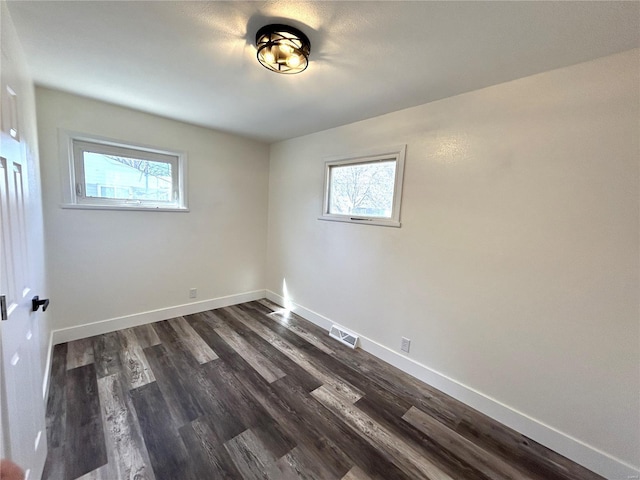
(338, 240)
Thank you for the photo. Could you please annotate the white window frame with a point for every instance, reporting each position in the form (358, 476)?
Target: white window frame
(74, 144)
(397, 154)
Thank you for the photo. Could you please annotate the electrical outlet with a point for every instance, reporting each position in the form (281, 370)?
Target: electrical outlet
(405, 345)
(193, 293)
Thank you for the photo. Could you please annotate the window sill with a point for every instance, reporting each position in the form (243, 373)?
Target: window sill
(78, 206)
(362, 221)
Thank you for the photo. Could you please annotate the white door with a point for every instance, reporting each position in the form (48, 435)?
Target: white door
(23, 436)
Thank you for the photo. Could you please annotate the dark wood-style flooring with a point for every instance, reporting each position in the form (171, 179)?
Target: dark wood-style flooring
(254, 392)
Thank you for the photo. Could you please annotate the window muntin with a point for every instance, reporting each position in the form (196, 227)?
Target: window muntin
(365, 189)
(105, 174)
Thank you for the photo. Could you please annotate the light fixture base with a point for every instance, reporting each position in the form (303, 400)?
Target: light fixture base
(283, 49)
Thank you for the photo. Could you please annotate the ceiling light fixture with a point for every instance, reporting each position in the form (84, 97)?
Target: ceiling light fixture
(283, 49)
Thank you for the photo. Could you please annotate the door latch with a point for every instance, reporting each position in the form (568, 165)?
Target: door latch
(3, 307)
(36, 303)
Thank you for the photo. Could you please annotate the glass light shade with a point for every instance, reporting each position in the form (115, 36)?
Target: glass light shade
(283, 49)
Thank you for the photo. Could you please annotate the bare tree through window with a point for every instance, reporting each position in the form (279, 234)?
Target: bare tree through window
(363, 189)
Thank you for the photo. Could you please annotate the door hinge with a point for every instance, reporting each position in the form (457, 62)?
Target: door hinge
(3, 307)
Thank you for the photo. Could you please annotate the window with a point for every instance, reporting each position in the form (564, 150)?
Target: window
(365, 188)
(107, 174)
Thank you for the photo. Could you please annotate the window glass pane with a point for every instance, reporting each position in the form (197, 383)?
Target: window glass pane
(123, 178)
(364, 189)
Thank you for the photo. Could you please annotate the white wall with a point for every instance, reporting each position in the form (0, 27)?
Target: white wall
(516, 270)
(107, 264)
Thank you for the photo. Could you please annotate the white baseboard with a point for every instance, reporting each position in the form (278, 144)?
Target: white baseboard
(572, 448)
(112, 324)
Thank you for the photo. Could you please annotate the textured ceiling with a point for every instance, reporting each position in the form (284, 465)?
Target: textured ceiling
(195, 61)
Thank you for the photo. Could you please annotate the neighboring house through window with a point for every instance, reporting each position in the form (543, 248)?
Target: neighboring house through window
(109, 174)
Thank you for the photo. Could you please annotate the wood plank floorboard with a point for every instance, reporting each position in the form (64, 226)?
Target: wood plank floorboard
(253, 391)
(282, 361)
(174, 344)
(107, 349)
(79, 353)
(305, 465)
(414, 463)
(56, 414)
(183, 405)
(261, 364)
(342, 445)
(56, 411)
(84, 431)
(448, 459)
(355, 474)
(251, 457)
(126, 452)
(147, 336)
(240, 409)
(134, 363)
(247, 411)
(194, 343)
(205, 327)
(167, 453)
(293, 347)
(483, 461)
(207, 453)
